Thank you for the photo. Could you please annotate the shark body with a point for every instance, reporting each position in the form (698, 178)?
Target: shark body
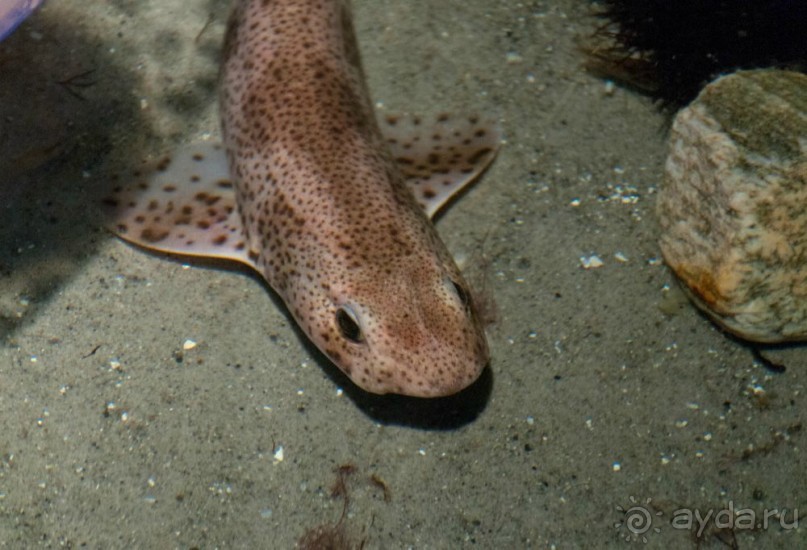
(329, 204)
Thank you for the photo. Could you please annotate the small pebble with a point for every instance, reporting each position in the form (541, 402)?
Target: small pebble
(513, 58)
(591, 262)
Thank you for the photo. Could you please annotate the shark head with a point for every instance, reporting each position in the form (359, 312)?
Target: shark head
(408, 328)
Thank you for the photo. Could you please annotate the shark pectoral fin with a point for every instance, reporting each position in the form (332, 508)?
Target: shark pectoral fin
(441, 156)
(182, 204)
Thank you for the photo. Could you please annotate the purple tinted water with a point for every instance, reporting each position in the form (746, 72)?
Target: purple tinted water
(14, 12)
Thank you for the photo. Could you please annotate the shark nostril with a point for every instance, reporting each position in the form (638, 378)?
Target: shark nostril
(348, 325)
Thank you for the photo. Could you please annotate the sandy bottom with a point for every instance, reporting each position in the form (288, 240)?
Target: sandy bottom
(607, 391)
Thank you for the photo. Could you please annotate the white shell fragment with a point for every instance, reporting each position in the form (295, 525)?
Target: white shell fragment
(733, 206)
(591, 262)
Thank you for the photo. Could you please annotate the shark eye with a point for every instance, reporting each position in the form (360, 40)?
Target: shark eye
(462, 294)
(348, 325)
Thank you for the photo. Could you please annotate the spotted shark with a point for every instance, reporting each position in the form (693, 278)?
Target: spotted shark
(330, 203)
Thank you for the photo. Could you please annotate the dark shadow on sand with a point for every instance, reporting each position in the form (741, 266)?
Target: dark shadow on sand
(67, 105)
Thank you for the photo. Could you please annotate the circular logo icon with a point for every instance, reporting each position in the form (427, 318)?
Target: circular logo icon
(637, 520)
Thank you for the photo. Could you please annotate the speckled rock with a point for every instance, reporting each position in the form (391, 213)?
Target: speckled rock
(733, 205)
